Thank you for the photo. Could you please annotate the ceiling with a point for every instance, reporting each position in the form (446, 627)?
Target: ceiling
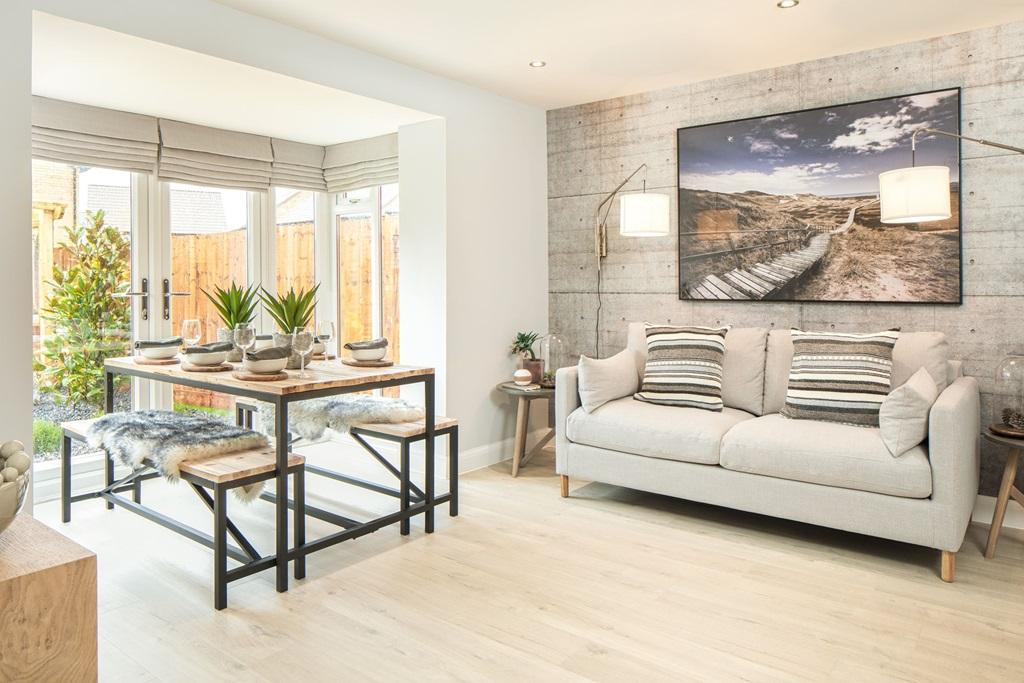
(596, 49)
(91, 65)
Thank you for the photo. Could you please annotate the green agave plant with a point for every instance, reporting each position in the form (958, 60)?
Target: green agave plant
(291, 310)
(234, 304)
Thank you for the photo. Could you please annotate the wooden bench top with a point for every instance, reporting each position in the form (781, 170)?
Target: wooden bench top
(78, 429)
(405, 430)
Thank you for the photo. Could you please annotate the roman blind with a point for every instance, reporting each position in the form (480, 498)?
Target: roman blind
(361, 163)
(79, 134)
(297, 165)
(211, 156)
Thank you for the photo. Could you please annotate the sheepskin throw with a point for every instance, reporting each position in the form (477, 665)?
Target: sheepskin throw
(310, 419)
(164, 440)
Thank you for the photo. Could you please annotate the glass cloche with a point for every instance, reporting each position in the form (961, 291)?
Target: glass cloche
(553, 352)
(1009, 406)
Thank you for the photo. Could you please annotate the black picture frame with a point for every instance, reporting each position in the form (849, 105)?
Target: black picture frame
(688, 277)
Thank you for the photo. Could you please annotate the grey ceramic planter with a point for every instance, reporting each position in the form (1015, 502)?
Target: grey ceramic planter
(284, 341)
(226, 335)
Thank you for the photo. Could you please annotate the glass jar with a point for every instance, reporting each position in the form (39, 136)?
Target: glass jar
(1009, 390)
(553, 353)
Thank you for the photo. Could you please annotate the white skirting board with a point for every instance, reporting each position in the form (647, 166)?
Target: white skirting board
(986, 505)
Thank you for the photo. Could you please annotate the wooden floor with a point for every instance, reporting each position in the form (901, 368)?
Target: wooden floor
(608, 585)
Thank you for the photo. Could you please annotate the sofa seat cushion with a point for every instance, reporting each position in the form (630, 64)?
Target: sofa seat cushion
(655, 431)
(826, 453)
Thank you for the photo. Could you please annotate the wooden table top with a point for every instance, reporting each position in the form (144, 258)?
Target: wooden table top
(518, 390)
(1004, 440)
(29, 546)
(330, 374)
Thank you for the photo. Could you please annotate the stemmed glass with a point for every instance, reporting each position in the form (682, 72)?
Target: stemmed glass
(191, 332)
(325, 332)
(245, 337)
(302, 343)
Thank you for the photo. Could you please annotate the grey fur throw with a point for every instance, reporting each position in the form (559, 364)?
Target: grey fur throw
(310, 419)
(164, 439)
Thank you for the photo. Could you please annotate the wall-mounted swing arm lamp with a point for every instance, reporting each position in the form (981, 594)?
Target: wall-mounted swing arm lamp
(919, 194)
(641, 214)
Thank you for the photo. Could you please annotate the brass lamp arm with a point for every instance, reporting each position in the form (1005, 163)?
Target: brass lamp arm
(935, 131)
(601, 234)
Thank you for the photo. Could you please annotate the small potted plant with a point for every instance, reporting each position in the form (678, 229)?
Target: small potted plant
(235, 306)
(523, 346)
(548, 380)
(290, 312)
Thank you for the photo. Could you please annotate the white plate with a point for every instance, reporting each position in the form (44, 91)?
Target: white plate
(265, 367)
(159, 352)
(205, 359)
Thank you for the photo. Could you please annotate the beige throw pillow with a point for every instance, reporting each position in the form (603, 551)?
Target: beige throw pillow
(606, 379)
(903, 416)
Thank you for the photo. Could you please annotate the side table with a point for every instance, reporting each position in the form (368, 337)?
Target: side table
(1006, 488)
(523, 396)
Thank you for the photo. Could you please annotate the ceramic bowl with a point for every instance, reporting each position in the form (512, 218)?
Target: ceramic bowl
(319, 348)
(265, 367)
(159, 352)
(369, 354)
(264, 343)
(15, 476)
(206, 359)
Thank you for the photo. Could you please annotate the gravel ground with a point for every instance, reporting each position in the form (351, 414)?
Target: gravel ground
(46, 407)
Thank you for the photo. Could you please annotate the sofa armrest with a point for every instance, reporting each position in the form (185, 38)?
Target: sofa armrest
(954, 439)
(567, 399)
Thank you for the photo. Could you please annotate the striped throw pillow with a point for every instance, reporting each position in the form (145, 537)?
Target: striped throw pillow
(839, 377)
(684, 367)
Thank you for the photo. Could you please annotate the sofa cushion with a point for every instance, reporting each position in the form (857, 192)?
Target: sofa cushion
(669, 432)
(606, 379)
(742, 369)
(826, 453)
(684, 367)
(903, 417)
(913, 350)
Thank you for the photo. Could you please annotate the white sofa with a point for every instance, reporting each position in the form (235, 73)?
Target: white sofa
(749, 457)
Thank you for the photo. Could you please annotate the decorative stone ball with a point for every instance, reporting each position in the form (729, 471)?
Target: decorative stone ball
(9, 474)
(522, 377)
(10, 448)
(19, 461)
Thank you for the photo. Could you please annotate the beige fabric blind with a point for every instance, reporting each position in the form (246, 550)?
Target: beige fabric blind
(361, 163)
(73, 133)
(210, 156)
(297, 165)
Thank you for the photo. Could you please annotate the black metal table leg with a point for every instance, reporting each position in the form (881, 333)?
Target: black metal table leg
(429, 436)
(220, 544)
(281, 433)
(453, 472)
(65, 479)
(404, 487)
(299, 518)
(108, 399)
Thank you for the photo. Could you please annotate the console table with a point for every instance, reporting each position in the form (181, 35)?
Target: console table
(47, 605)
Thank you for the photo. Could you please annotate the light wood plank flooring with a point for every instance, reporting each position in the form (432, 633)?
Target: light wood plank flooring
(608, 585)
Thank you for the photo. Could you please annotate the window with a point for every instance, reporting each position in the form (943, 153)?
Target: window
(367, 235)
(81, 259)
(294, 216)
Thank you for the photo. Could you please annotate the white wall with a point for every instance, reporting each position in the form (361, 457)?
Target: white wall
(495, 180)
(16, 208)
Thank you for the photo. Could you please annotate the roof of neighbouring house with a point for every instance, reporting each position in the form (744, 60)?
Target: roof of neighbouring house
(115, 201)
(298, 207)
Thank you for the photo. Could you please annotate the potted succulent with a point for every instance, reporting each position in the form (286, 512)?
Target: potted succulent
(290, 311)
(523, 346)
(235, 306)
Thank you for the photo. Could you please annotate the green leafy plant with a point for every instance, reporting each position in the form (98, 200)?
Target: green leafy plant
(46, 436)
(234, 305)
(524, 342)
(90, 323)
(291, 310)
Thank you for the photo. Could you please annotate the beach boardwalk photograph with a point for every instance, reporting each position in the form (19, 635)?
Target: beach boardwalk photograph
(785, 207)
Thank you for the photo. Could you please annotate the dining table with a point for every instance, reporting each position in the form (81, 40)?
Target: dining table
(322, 379)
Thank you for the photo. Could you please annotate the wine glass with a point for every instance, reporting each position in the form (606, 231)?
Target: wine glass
(325, 332)
(302, 343)
(245, 337)
(191, 332)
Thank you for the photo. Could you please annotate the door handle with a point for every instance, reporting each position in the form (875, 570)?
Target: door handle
(144, 293)
(167, 298)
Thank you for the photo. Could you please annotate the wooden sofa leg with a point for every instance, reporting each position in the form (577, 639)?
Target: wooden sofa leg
(948, 566)
(565, 486)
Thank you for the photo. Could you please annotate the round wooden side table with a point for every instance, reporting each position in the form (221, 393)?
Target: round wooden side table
(523, 396)
(1006, 488)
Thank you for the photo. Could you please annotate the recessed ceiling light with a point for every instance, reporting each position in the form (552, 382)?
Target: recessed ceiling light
(537, 63)
(786, 4)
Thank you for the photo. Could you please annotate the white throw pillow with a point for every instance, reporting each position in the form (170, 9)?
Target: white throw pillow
(903, 417)
(606, 379)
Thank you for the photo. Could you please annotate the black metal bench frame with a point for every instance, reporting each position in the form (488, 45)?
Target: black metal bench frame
(244, 553)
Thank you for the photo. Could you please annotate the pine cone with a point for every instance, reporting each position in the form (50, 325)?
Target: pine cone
(1013, 419)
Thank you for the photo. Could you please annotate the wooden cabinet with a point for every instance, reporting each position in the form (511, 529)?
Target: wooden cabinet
(47, 605)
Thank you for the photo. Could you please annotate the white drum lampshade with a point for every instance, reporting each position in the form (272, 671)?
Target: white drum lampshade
(914, 195)
(643, 214)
